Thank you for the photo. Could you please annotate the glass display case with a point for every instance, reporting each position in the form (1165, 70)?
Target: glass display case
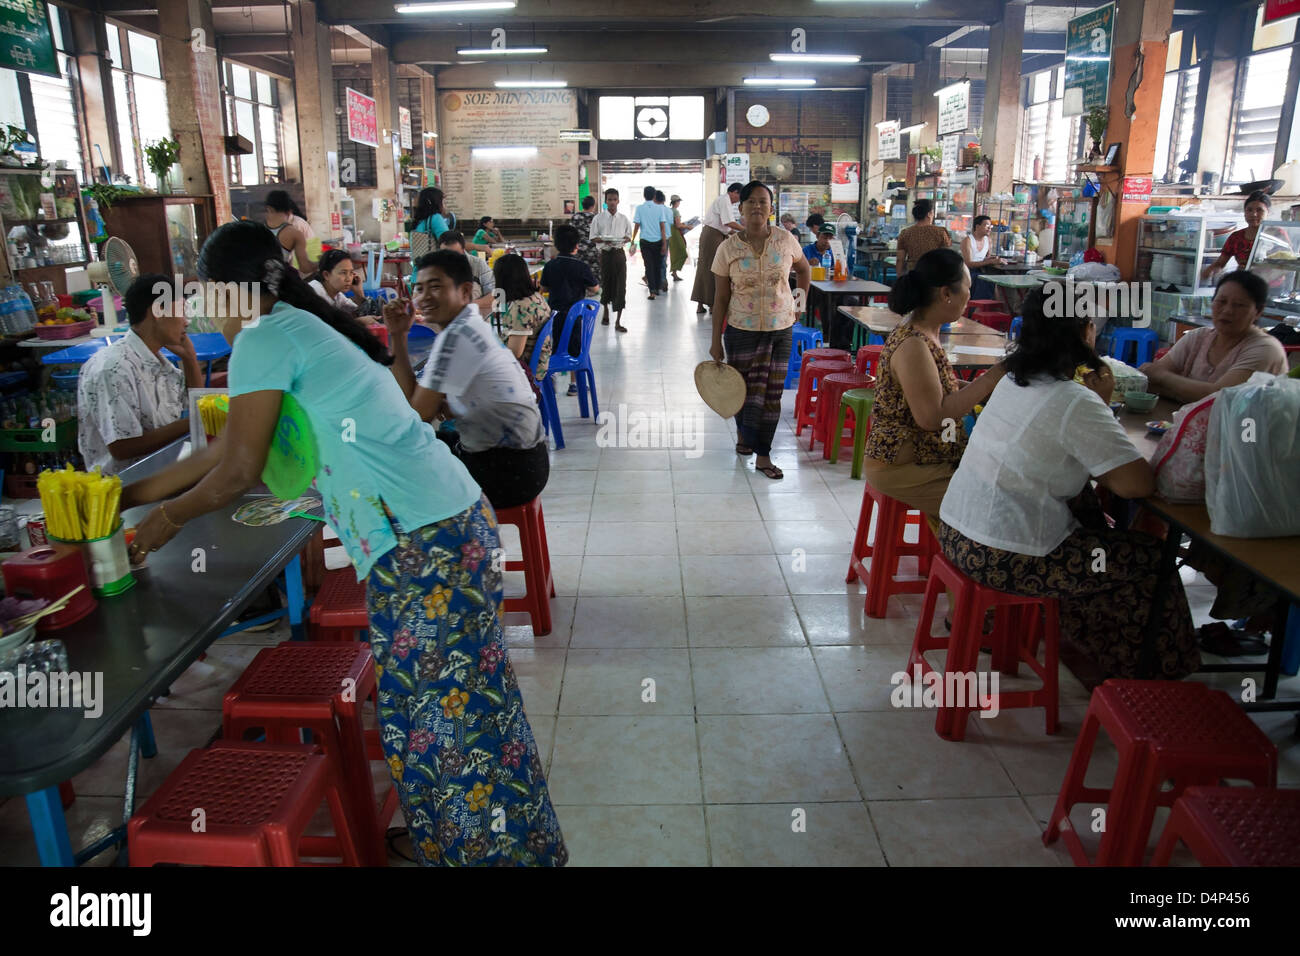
(959, 188)
(1012, 215)
(43, 225)
(164, 232)
(1076, 222)
(1276, 257)
(1172, 250)
(348, 219)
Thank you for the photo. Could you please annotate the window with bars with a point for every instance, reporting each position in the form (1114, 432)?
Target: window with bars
(139, 97)
(253, 112)
(1049, 141)
(809, 166)
(367, 175)
(1257, 113)
(898, 99)
(1177, 123)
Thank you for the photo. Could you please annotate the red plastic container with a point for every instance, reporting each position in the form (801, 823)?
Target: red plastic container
(50, 571)
(379, 331)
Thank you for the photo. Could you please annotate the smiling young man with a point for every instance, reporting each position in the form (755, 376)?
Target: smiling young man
(473, 378)
(129, 398)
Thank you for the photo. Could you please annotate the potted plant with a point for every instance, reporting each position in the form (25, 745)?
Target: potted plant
(11, 137)
(161, 157)
(1098, 117)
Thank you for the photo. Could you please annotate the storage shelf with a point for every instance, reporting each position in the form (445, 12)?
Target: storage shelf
(1190, 254)
(39, 222)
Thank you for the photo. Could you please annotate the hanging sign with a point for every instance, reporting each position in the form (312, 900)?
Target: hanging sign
(887, 140)
(954, 108)
(26, 42)
(404, 124)
(1088, 41)
(1137, 189)
(363, 126)
(949, 144)
(1280, 9)
(735, 168)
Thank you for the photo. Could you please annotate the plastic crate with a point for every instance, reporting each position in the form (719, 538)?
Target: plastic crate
(29, 439)
(21, 486)
(67, 381)
(71, 331)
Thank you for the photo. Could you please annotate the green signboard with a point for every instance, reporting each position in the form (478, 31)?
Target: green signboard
(26, 42)
(1088, 41)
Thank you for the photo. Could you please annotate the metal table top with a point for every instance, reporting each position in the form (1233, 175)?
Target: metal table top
(143, 640)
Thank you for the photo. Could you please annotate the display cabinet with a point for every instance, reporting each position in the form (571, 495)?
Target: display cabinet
(1076, 225)
(43, 225)
(1014, 209)
(165, 232)
(959, 189)
(1172, 250)
(1276, 257)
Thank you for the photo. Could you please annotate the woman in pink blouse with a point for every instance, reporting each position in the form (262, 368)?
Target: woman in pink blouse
(755, 305)
(1206, 360)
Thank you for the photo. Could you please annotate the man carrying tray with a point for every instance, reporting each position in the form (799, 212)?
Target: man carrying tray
(610, 231)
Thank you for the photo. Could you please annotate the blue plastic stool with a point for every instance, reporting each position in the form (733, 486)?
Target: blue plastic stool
(1015, 328)
(804, 338)
(1144, 342)
(862, 272)
(586, 312)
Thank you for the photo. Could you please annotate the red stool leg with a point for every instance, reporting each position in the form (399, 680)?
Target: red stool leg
(884, 558)
(861, 539)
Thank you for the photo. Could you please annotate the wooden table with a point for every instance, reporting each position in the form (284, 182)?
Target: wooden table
(881, 321)
(1276, 561)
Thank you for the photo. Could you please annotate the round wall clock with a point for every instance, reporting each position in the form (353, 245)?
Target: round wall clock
(757, 115)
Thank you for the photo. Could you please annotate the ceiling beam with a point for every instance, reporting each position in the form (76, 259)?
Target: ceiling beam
(749, 46)
(885, 15)
(645, 75)
(254, 44)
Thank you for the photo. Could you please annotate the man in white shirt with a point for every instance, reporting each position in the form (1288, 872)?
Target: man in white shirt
(721, 220)
(610, 231)
(130, 399)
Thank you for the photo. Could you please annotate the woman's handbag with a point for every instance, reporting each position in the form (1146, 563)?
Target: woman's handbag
(421, 244)
(1179, 459)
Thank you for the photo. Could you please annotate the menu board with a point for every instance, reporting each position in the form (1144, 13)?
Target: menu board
(404, 126)
(954, 108)
(887, 139)
(949, 144)
(1087, 60)
(512, 186)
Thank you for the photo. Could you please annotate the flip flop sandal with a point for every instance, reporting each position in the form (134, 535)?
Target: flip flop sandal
(771, 471)
(1219, 638)
(392, 836)
(744, 451)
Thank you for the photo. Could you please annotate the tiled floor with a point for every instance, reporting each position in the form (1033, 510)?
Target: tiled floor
(711, 692)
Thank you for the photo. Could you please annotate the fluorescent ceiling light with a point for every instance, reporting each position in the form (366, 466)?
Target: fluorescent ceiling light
(531, 84)
(504, 51)
(455, 6)
(815, 57)
(501, 152)
(780, 81)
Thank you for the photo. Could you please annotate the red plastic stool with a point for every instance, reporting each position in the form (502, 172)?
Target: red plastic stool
(1015, 638)
(536, 564)
(257, 800)
(1234, 826)
(318, 687)
(339, 610)
(984, 305)
(826, 412)
(1163, 730)
(887, 550)
(810, 372)
(867, 360)
(994, 320)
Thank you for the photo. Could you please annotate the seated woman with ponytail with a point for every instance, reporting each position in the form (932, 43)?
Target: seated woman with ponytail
(419, 532)
(1021, 516)
(916, 435)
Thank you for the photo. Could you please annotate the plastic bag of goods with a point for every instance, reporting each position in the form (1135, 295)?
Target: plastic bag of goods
(1252, 459)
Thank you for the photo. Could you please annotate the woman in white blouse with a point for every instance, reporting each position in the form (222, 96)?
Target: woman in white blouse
(335, 279)
(1020, 514)
(721, 221)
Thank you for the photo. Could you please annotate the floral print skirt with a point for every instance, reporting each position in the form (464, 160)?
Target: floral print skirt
(1103, 612)
(457, 742)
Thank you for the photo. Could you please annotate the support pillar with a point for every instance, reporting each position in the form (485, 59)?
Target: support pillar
(875, 171)
(1002, 101)
(1139, 25)
(313, 80)
(386, 111)
(176, 25)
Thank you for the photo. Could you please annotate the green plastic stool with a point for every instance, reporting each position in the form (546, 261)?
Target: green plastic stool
(860, 400)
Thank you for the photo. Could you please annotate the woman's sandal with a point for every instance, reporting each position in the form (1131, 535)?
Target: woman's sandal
(392, 836)
(770, 470)
(744, 451)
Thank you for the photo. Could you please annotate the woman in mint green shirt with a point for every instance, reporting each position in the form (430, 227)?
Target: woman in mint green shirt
(431, 214)
(419, 532)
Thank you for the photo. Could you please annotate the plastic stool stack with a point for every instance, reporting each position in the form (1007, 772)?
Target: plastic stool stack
(816, 364)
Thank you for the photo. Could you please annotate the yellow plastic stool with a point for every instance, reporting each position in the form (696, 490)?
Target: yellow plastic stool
(860, 400)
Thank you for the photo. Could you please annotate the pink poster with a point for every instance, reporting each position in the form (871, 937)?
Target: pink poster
(363, 126)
